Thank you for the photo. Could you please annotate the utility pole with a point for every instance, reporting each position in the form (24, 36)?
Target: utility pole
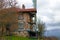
(34, 2)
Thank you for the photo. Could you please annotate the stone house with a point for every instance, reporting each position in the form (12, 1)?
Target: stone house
(17, 19)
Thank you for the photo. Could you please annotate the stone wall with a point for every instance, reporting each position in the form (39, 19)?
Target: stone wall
(22, 34)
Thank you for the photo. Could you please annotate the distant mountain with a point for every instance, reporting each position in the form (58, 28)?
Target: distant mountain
(55, 33)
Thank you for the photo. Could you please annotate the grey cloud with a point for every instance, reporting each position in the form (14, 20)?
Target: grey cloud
(54, 24)
(57, 6)
(41, 3)
(45, 10)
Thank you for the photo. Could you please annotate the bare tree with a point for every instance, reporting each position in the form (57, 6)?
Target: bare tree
(7, 3)
(1, 4)
(41, 27)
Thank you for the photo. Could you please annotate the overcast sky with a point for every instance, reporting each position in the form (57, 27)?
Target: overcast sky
(47, 10)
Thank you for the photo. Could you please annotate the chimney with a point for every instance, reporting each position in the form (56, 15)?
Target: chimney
(23, 6)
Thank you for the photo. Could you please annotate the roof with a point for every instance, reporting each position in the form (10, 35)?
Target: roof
(25, 10)
(19, 9)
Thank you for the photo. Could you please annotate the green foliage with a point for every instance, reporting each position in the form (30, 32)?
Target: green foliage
(18, 38)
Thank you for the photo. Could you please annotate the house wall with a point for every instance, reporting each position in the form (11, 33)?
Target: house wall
(26, 19)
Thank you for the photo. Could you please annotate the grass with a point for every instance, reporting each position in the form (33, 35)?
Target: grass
(17, 38)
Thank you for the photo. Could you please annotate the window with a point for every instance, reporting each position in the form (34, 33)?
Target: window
(20, 26)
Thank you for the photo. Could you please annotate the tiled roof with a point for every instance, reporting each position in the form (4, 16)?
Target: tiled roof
(27, 10)
(21, 10)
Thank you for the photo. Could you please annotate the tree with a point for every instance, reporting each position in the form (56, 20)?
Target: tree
(7, 3)
(1, 4)
(41, 27)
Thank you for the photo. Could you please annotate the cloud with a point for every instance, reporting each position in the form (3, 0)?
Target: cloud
(57, 18)
(49, 11)
(54, 24)
(49, 8)
(52, 28)
(45, 19)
